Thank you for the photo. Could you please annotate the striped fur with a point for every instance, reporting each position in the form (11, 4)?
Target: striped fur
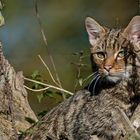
(82, 116)
(111, 43)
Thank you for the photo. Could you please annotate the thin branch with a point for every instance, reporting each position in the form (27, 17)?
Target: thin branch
(36, 90)
(45, 42)
(48, 85)
(78, 72)
(48, 70)
(45, 39)
(40, 23)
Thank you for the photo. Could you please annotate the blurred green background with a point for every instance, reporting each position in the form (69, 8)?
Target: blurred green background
(63, 22)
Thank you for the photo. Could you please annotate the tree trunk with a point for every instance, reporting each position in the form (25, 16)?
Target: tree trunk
(14, 106)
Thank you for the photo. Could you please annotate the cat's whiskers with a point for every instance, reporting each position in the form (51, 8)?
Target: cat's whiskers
(93, 74)
(94, 78)
(94, 87)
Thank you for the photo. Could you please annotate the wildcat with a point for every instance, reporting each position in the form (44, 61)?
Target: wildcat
(114, 61)
(111, 55)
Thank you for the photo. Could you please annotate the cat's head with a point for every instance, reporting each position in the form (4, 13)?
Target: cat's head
(111, 49)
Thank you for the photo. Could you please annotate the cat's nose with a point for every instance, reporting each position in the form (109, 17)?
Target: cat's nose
(108, 67)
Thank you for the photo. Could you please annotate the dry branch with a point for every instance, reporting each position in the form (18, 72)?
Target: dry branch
(47, 86)
(46, 44)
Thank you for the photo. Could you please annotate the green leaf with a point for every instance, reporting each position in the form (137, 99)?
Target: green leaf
(40, 97)
(83, 65)
(59, 93)
(45, 94)
(35, 86)
(42, 113)
(80, 81)
(35, 74)
(48, 94)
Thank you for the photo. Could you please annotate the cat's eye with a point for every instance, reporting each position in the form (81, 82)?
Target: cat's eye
(100, 55)
(121, 54)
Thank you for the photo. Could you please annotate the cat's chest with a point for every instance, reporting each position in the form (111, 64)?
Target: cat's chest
(122, 92)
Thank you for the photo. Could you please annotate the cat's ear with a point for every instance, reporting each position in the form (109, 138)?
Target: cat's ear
(94, 30)
(132, 31)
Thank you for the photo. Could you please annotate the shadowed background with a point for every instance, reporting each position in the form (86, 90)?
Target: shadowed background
(63, 22)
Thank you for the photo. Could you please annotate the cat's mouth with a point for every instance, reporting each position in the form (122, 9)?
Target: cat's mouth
(111, 77)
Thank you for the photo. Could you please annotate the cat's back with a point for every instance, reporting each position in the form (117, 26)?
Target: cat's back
(80, 117)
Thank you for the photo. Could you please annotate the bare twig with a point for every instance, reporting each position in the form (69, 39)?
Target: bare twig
(79, 67)
(45, 42)
(36, 90)
(48, 85)
(48, 70)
